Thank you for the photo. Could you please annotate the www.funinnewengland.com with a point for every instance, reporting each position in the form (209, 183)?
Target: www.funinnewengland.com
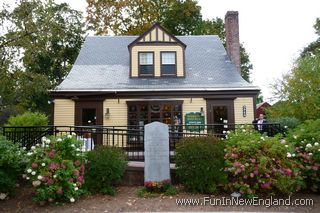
(237, 201)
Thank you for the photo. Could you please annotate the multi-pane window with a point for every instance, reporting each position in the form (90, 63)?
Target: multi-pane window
(146, 64)
(168, 63)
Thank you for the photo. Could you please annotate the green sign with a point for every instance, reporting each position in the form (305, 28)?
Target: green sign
(194, 122)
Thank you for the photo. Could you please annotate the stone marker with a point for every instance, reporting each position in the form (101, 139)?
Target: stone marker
(156, 152)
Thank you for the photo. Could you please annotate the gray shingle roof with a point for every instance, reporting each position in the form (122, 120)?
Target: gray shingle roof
(103, 65)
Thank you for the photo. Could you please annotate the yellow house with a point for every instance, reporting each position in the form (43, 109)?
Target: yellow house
(135, 80)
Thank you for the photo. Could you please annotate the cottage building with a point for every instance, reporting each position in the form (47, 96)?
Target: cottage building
(135, 80)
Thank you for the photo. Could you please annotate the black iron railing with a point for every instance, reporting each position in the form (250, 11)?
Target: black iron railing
(129, 138)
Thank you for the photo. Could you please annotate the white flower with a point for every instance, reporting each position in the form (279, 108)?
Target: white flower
(288, 155)
(29, 153)
(72, 200)
(72, 145)
(27, 178)
(295, 137)
(293, 155)
(73, 134)
(310, 154)
(36, 183)
(47, 146)
(308, 145)
(37, 144)
(59, 140)
(43, 164)
(286, 146)
(3, 196)
(224, 131)
(54, 176)
(48, 141)
(77, 154)
(19, 153)
(316, 144)
(78, 149)
(29, 170)
(69, 136)
(228, 132)
(24, 176)
(24, 148)
(302, 141)
(243, 130)
(74, 184)
(40, 177)
(43, 139)
(76, 188)
(286, 127)
(318, 150)
(262, 138)
(33, 173)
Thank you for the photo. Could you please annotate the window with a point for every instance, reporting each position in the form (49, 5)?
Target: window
(168, 63)
(146, 65)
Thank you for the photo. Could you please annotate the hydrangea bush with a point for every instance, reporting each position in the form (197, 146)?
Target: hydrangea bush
(12, 163)
(306, 139)
(258, 164)
(56, 169)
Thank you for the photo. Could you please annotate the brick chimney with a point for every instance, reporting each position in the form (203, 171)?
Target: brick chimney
(232, 37)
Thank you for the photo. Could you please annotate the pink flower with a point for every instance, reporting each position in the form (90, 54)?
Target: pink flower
(71, 180)
(266, 185)
(251, 175)
(52, 154)
(253, 160)
(80, 179)
(59, 191)
(76, 173)
(53, 166)
(245, 177)
(77, 163)
(50, 182)
(82, 168)
(255, 172)
(34, 165)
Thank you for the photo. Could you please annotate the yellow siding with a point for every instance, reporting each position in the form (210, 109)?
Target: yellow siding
(64, 112)
(156, 50)
(118, 112)
(238, 104)
(194, 105)
(160, 35)
(153, 35)
(166, 37)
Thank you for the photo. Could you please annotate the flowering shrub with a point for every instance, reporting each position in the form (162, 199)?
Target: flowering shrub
(200, 163)
(306, 139)
(56, 169)
(158, 187)
(258, 164)
(12, 162)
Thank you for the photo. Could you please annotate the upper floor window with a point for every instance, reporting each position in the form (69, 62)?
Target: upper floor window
(146, 64)
(168, 63)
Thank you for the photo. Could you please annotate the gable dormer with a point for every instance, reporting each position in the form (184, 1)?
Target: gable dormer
(157, 53)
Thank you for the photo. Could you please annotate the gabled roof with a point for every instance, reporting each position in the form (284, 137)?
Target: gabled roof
(103, 65)
(154, 26)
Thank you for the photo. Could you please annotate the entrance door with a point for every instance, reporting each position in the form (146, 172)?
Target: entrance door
(90, 113)
(220, 113)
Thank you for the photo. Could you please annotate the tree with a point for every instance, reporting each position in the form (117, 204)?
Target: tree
(179, 17)
(39, 42)
(313, 47)
(299, 91)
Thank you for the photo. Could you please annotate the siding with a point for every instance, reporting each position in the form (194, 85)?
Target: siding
(64, 112)
(238, 104)
(156, 50)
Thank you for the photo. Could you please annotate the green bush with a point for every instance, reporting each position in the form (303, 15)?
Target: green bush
(105, 166)
(306, 139)
(286, 123)
(56, 169)
(28, 119)
(200, 163)
(12, 163)
(258, 164)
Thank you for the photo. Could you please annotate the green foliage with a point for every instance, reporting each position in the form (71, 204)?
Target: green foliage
(105, 166)
(56, 169)
(299, 91)
(285, 123)
(314, 47)
(260, 165)
(28, 119)
(155, 189)
(199, 164)
(12, 162)
(40, 41)
(306, 138)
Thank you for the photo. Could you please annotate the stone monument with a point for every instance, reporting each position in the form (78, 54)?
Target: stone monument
(156, 152)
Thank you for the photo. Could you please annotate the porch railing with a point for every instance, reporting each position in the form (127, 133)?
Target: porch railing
(129, 138)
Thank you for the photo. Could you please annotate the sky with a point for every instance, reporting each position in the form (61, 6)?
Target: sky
(272, 31)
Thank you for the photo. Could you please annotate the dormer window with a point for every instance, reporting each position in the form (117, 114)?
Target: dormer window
(168, 64)
(146, 64)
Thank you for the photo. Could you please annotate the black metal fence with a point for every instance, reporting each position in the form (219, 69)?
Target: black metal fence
(129, 138)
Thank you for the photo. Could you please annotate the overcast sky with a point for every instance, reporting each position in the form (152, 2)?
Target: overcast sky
(272, 31)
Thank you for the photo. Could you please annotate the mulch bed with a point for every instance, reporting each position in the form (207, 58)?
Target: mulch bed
(127, 200)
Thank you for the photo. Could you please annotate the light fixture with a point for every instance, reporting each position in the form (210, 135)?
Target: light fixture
(201, 111)
(107, 114)
(244, 111)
